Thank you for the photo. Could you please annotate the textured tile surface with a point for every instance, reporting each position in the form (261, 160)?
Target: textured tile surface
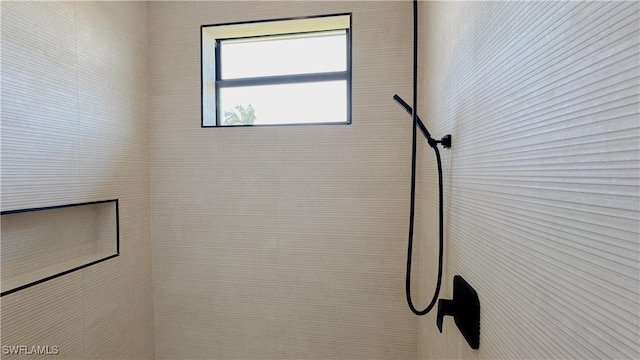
(542, 182)
(74, 129)
(289, 242)
(280, 242)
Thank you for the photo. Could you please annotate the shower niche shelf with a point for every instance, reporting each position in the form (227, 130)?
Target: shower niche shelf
(41, 244)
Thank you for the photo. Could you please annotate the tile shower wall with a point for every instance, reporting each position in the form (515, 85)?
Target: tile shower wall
(74, 129)
(280, 242)
(542, 182)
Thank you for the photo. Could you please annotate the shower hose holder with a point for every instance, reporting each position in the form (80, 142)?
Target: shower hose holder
(465, 309)
(445, 141)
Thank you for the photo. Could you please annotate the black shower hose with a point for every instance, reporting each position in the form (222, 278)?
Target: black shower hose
(434, 145)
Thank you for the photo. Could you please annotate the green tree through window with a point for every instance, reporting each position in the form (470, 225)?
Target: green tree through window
(240, 116)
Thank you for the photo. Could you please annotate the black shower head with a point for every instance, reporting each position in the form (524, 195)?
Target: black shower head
(445, 141)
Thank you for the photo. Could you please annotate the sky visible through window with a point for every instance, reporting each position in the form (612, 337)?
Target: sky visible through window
(303, 102)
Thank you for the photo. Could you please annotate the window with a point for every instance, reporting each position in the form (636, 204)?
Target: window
(277, 72)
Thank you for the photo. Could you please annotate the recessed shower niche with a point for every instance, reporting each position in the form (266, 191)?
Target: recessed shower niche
(41, 244)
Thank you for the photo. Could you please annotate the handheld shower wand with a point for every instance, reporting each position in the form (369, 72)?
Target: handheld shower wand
(446, 142)
(465, 305)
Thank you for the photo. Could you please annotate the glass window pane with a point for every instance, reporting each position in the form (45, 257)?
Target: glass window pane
(284, 55)
(313, 102)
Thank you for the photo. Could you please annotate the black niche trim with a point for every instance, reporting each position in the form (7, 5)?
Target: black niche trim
(51, 277)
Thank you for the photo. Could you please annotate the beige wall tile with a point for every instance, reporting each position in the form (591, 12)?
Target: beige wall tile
(542, 179)
(47, 315)
(74, 129)
(290, 235)
(289, 242)
(43, 99)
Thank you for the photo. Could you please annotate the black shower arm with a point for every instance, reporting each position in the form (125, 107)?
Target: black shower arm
(445, 141)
